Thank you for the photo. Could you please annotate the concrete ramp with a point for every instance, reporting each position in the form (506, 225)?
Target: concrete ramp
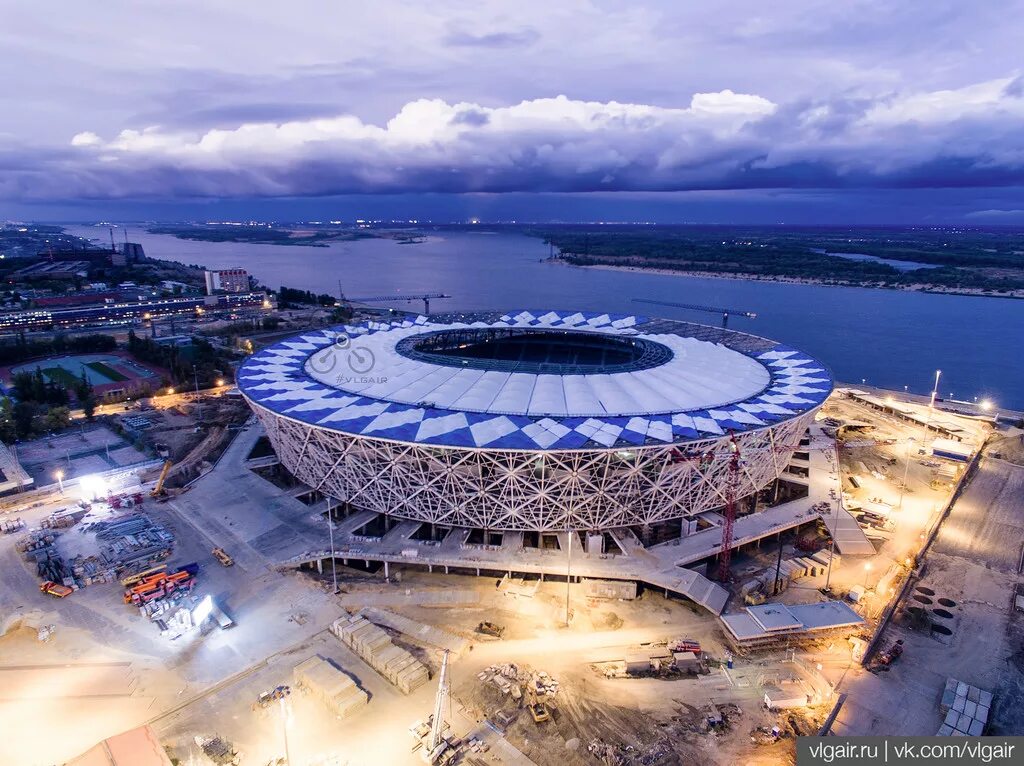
(850, 538)
(694, 586)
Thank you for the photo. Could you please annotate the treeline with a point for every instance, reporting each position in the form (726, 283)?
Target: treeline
(289, 297)
(22, 349)
(200, 361)
(785, 255)
(42, 404)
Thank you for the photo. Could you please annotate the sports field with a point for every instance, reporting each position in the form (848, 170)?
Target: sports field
(99, 369)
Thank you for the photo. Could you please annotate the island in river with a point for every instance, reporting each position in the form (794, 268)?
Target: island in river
(965, 261)
(957, 260)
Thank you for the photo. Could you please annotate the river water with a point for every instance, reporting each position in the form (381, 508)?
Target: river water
(887, 338)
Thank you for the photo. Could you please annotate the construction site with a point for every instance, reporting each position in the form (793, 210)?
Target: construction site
(237, 612)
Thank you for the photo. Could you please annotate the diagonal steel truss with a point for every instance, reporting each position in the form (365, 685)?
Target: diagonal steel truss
(540, 490)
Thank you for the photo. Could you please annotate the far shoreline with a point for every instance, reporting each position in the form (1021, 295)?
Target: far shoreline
(926, 289)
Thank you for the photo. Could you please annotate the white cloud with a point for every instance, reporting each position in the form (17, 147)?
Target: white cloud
(86, 138)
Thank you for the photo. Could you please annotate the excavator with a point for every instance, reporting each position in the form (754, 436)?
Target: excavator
(158, 489)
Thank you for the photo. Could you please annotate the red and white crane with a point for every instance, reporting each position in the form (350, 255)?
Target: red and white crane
(735, 457)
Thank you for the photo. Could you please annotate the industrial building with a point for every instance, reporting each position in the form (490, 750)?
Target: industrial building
(534, 420)
(227, 281)
(126, 312)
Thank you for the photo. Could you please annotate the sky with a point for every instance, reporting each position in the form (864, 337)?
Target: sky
(802, 111)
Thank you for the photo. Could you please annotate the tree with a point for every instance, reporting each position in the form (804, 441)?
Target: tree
(56, 419)
(8, 428)
(23, 413)
(89, 405)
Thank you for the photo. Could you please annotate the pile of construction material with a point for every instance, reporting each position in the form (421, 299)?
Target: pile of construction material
(418, 631)
(375, 647)
(64, 518)
(11, 525)
(758, 588)
(164, 598)
(35, 540)
(512, 680)
(966, 709)
(38, 547)
(330, 685)
(92, 570)
(219, 750)
(132, 542)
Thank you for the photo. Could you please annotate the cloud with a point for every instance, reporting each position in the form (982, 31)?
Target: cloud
(718, 140)
(86, 138)
(461, 38)
(996, 214)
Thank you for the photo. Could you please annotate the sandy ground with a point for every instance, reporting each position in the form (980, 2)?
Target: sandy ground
(124, 673)
(973, 564)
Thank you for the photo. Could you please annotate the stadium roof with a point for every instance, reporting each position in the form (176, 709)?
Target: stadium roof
(623, 380)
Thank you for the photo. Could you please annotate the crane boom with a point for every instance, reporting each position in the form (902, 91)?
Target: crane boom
(437, 728)
(725, 312)
(425, 297)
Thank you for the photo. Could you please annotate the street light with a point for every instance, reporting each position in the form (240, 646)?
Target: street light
(334, 561)
(59, 475)
(867, 568)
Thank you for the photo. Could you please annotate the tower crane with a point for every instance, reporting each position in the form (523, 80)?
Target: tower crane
(697, 307)
(735, 457)
(425, 297)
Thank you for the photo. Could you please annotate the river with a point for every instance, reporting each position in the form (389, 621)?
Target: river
(887, 338)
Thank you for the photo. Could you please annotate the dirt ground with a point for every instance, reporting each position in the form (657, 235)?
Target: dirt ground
(970, 574)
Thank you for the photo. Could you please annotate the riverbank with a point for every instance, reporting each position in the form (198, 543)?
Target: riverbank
(913, 288)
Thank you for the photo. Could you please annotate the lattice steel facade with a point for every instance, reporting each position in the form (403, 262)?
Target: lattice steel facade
(524, 490)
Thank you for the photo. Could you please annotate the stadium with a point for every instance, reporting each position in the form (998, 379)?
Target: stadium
(534, 421)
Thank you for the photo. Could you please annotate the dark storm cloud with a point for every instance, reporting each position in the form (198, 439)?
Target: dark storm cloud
(310, 100)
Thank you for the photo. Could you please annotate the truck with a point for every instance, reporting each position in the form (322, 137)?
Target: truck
(55, 589)
(221, 555)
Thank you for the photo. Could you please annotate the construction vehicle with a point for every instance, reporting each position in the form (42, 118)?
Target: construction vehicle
(158, 488)
(161, 584)
(436, 746)
(139, 576)
(221, 555)
(893, 653)
(490, 629)
(684, 645)
(55, 589)
(539, 712)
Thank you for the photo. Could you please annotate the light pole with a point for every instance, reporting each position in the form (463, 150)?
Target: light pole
(334, 561)
(284, 724)
(906, 472)
(59, 475)
(867, 568)
(831, 546)
(199, 407)
(568, 573)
